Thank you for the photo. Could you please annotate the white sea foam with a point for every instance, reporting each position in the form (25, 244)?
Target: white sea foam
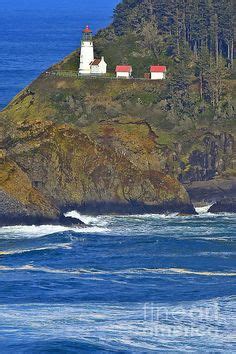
(191, 326)
(203, 209)
(88, 219)
(32, 230)
(39, 231)
(124, 272)
(37, 249)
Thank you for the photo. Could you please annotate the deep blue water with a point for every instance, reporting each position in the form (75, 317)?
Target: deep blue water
(34, 34)
(149, 283)
(125, 284)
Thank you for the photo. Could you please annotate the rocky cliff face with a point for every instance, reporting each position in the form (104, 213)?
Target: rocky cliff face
(19, 200)
(73, 170)
(104, 146)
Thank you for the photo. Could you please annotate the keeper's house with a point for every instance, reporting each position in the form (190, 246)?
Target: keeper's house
(98, 67)
(124, 71)
(158, 72)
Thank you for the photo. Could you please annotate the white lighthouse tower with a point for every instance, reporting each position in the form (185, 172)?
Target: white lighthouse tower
(87, 52)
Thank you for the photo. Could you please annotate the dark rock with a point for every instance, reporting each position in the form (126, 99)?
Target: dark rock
(211, 191)
(70, 222)
(28, 220)
(226, 205)
(13, 212)
(132, 207)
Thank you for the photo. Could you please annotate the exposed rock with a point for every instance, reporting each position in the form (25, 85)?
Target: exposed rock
(226, 205)
(79, 145)
(22, 204)
(70, 222)
(72, 170)
(213, 190)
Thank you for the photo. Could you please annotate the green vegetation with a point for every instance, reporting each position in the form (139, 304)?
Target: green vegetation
(184, 126)
(194, 38)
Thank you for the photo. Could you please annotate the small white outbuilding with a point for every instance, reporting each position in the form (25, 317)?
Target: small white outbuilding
(158, 72)
(124, 71)
(98, 67)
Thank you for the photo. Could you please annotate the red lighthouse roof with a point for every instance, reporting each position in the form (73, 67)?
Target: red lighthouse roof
(124, 69)
(158, 69)
(87, 30)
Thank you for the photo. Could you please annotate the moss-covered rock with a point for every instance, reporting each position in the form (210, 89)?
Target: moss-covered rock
(75, 169)
(19, 200)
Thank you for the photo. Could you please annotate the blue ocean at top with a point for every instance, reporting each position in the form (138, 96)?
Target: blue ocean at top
(124, 284)
(35, 34)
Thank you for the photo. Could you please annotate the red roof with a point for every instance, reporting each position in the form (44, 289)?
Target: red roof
(87, 30)
(96, 62)
(124, 69)
(158, 69)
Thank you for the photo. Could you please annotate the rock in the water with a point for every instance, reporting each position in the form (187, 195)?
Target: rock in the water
(226, 205)
(213, 190)
(70, 222)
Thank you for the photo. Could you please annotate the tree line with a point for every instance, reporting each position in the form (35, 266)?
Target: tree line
(202, 24)
(199, 37)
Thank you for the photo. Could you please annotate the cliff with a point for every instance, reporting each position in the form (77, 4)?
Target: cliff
(128, 118)
(103, 167)
(122, 146)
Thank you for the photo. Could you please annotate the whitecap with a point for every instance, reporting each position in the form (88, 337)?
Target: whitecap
(81, 271)
(88, 219)
(203, 209)
(37, 249)
(43, 230)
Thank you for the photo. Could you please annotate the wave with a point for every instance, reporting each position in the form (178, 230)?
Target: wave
(43, 230)
(100, 224)
(125, 272)
(203, 209)
(170, 216)
(202, 325)
(87, 219)
(46, 248)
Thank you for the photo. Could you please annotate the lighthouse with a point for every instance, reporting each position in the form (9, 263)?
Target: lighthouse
(87, 52)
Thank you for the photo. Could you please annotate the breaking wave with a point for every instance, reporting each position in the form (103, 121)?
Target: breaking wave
(86, 288)
(124, 272)
(38, 231)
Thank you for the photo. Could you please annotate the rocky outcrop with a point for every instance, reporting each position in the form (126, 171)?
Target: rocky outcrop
(107, 146)
(226, 205)
(76, 155)
(21, 203)
(212, 190)
(72, 170)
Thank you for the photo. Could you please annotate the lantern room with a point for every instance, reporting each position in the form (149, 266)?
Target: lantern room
(87, 35)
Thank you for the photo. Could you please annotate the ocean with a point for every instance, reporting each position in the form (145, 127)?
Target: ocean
(130, 284)
(38, 33)
(134, 284)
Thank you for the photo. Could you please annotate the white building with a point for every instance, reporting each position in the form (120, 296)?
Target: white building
(89, 65)
(87, 52)
(98, 67)
(124, 71)
(158, 72)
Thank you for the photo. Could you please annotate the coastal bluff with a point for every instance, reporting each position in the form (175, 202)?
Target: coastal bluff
(66, 167)
(105, 145)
